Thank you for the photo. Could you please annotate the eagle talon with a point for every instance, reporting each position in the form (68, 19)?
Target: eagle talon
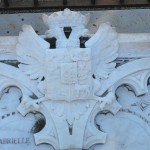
(107, 100)
(34, 103)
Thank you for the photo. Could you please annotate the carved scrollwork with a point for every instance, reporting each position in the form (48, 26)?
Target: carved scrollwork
(134, 74)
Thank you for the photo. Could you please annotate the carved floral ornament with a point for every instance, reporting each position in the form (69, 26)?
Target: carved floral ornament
(68, 84)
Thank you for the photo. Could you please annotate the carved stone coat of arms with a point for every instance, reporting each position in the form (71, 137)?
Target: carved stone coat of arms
(67, 78)
(70, 78)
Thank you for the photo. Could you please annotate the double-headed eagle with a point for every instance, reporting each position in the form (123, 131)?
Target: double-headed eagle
(68, 62)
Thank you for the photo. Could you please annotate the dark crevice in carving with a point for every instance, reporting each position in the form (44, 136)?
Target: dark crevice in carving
(43, 79)
(34, 97)
(8, 115)
(98, 126)
(13, 113)
(83, 40)
(70, 127)
(38, 126)
(20, 99)
(7, 90)
(104, 94)
(70, 130)
(122, 61)
(148, 81)
(93, 76)
(105, 112)
(129, 88)
(67, 31)
(2, 117)
(13, 63)
(52, 42)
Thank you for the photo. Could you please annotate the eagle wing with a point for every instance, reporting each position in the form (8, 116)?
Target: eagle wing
(31, 53)
(104, 46)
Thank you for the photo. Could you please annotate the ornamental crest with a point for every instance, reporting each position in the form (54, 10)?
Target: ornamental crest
(69, 69)
(67, 66)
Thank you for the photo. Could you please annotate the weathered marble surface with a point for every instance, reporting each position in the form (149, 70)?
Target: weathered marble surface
(130, 128)
(15, 131)
(125, 129)
(111, 118)
(125, 21)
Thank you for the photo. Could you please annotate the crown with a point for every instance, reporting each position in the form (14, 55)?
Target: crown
(66, 18)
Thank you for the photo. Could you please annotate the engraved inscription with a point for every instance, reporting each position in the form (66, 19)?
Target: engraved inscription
(24, 140)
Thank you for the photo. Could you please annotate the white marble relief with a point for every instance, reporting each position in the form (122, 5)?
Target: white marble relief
(16, 132)
(131, 126)
(70, 85)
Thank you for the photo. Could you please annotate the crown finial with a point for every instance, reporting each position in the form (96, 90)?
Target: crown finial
(66, 18)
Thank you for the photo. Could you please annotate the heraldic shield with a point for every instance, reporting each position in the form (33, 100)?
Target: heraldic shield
(70, 70)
